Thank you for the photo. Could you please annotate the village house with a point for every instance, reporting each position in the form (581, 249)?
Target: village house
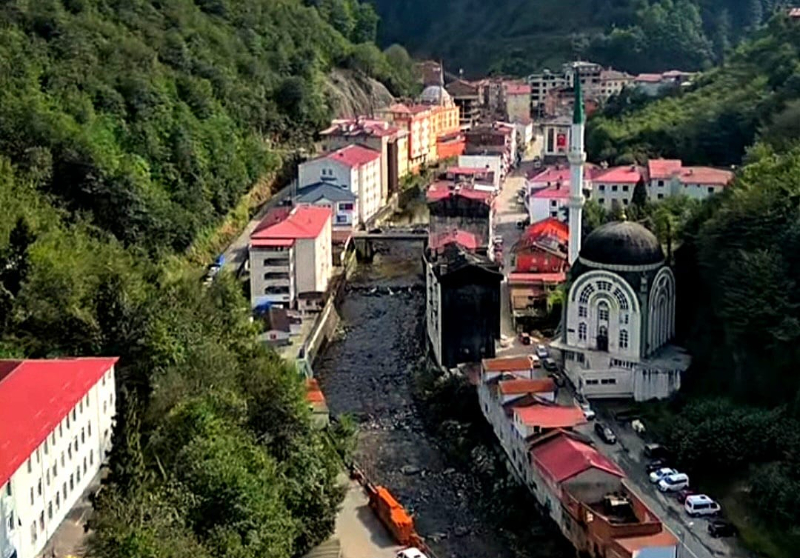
(454, 206)
(542, 83)
(518, 102)
(355, 167)
(57, 418)
(668, 177)
(290, 255)
(280, 325)
(462, 291)
(473, 177)
(390, 141)
(615, 186)
(342, 202)
(416, 120)
(492, 163)
(612, 82)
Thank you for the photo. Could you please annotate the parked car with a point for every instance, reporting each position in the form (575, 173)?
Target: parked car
(700, 504)
(721, 528)
(411, 553)
(683, 494)
(542, 352)
(497, 240)
(655, 451)
(673, 483)
(588, 412)
(550, 365)
(376, 230)
(605, 433)
(659, 474)
(655, 465)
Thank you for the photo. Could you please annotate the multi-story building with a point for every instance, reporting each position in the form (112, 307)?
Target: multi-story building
(612, 82)
(462, 303)
(615, 185)
(590, 75)
(668, 177)
(547, 191)
(416, 120)
(290, 256)
(355, 167)
(453, 206)
(468, 97)
(342, 202)
(57, 417)
(542, 83)
(518, 102)
(390, 141)
(445, 137)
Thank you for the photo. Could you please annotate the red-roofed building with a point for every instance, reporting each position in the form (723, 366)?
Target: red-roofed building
(453, 206)
(615, 185)
(547, 191)
(536, 419)
(519, 366)
(514, 389)
(462, 238)
(356, 168)
(416, 120)
(56, 418)
(291, 257)
(668, 177)
(518, 102)
(389, 140)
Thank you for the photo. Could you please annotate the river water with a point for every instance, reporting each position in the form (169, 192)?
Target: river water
(366, 370)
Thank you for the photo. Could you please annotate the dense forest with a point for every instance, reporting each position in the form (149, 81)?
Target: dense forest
(736, 422)
(127, 129)
(522, 36)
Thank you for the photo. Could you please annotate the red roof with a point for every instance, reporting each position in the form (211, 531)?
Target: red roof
(304, 221)
(463, 238)
(272, 242)
(660, 540)
(562, 458)
(551, 175)
(361, 126)
(649, 78)
(508, 364)
(659, 169)
(537, 277)
(629, 174)
(555, 192)
(36, 395)
(518, 89)
(467, 170)
(705, 175)
(547, 227)
(550, 416)
(353, 155)
(444, 189)
(522, 386)
(313, 392)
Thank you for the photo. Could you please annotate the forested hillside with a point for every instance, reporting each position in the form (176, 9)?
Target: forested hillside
(127, 128)
(522, 36)
(735, 424)
(756, 92)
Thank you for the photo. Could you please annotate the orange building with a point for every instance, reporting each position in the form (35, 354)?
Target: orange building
(445, 139)
(417, 121)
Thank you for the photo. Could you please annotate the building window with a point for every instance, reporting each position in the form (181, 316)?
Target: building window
(608, 381)
(710, 189)
(55, 470)
(41, 521)
(604, 285)
(601, 201)
(591, 382)
(71, 483)
(74, 414)
(104, 406)
(31, 495)
(87, 400)
(660, 183)
(67, 422)
(84, 465)
(50, 510)
(553, 203)
(33, 532)
(602, 311)
(582, 311)
(63, 462)
(47, 477)
(661, 196)
(61, 430)
(625, 188)
(37, 456)
(614, 188)
(78, 474)
(623, 339)
(601, 187)
(624, 202)
(69, 452)
(30, 465)
(582, 331)
(622, 300)
(64, 490)
(623, 319)
(91, 457)
(89, 427)
(58, 500)
(586, 293)
(83, 436)
(53, 438)
(39, 488)
(76, 443)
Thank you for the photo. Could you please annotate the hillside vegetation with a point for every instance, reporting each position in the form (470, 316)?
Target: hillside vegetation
(754, 93)
(522, 36)
(127, 129)
(734, 427)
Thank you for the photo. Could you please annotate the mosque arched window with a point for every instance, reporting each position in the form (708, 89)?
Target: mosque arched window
(586, 293)
(582, 331)
(623, 339)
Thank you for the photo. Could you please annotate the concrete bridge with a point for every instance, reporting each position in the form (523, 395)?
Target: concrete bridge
(364, 241)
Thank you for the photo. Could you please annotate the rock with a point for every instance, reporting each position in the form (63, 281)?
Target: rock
(461, 531)
(409, 470)
(448, 471)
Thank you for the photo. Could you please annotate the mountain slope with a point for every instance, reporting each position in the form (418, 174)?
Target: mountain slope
(521, 36)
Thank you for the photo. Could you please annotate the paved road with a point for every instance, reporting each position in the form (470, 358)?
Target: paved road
(358, 529)
(627, 453)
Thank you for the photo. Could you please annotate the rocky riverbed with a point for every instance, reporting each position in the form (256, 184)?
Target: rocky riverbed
(367, 371)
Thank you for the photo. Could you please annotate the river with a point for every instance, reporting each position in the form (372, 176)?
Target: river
(366, 370)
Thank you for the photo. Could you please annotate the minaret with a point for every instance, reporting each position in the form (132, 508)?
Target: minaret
(576, 159)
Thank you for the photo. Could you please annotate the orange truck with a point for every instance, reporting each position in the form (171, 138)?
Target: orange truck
(393, 516)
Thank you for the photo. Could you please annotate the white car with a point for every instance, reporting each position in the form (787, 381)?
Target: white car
(411, 553)
(659, 474)
(588, 412)
(673, 483)
(700, 504)
(542, 352)
(497, 240)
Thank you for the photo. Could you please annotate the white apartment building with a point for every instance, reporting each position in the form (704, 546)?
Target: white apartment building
(355, 167)
(668, 177)
(616, 185)
(290, 254)
(56, 417)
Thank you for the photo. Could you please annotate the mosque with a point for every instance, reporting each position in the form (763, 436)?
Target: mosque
(619, 313)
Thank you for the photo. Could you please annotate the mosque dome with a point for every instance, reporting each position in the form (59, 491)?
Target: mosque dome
(436, 95)
(621, 243)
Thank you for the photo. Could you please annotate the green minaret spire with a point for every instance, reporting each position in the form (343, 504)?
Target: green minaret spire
(577, 113)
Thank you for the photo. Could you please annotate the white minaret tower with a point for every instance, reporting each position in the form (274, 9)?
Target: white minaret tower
(576, 158)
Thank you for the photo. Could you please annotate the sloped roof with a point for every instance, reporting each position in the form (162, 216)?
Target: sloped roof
(628, 174)
(659, 169)
(550, 416)
(446, 189)
(463, 238)
(547, 227)
(353, 155)
(562, 458)
(304, 221)
(325, 190)
(35, 396)
(505, 364)
(705, 175)
(523, 386)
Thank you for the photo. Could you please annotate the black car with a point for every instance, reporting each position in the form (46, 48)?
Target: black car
(558, 379)
(721, 528)
(656, 464)
(550, 365)
(655, 451)
(605, 433)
